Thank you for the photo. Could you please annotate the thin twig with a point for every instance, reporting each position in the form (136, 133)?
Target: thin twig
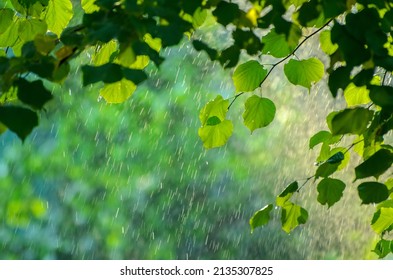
(307, 180)
(285, 58)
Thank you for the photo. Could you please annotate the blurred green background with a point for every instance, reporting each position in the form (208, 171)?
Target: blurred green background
(132, 181)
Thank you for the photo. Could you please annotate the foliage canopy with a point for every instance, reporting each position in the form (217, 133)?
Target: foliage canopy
(39, 39)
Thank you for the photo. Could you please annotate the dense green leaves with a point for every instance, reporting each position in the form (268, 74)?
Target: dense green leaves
(259, 112)
(248, 76)
(304, 72)
(261, 217)
(375, 165)
(122, 37)
(330, 191)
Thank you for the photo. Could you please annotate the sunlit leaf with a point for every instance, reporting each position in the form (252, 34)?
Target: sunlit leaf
(276, 44)
(284, 197)
(58, 14)
(19, 120)
(304, 72)
(326, 44)
(216, 135)
(261, 217)
(356, 95)
(383, 248)
(118, 92)
(217, 107)
(127, 58)
(259, 112)
(372, 192)
(382, 220)
(88, 6)
(104, 52)
(9, 37)
(292, 216)
(248, 76)
(349, 121)
(330, 191)
(375, 165)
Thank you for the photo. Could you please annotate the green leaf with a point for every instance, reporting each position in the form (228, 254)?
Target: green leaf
(226, 12)
(372, 192)
(199, 46)
(259, 112)
(382, 220)
(276, 44)
(349, 121)
(356, 95)
(33, 93)
(88, 6)
(339, 78)
(284, 197)
(19, 120)
(330, 191)
(6, 19)
(336, 158)
(214, 108)
(9, 37)
(304, 72)
(332, 9)
(103, 53)
(383, 248)
(29, 28)
(382, 96)
(354, 51)
(261, 217)
(58, 14)
(248, 76)
(216, 135)
(326, 169)
(213, 121)
(118, 92)
(107, 73)
(326, 43)
(320, 137)
(292, 215)
(375, 165)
